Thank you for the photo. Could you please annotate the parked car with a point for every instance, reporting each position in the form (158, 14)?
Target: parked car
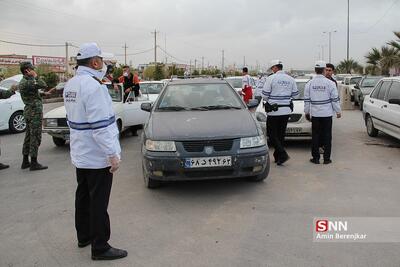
(201, 129)
(12, 109)
(128, 115)
(382, 108)
(236, 82)
(151, 88)
(351, 81)
(363, 88)
(298, 126)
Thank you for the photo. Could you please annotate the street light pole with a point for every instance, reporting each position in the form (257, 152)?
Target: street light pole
(348, 28)
(330, 44)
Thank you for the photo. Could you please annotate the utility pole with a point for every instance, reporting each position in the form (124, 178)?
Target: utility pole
(244, 61)
(190, 67)
(125, 47)
(223, 58)
(195, 64)
(165, 48)
(155, 46)
(202, 64)
(66, 60)
(348, 28)
(330, 44)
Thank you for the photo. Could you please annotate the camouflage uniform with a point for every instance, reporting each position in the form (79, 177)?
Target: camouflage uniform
(33, 113)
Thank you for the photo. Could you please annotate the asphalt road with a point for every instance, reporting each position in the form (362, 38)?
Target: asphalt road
(211, 223)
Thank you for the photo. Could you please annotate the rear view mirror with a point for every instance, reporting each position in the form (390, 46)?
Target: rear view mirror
(146, 107)
(394, 101)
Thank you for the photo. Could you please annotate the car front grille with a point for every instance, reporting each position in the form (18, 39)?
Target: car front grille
(294, 117)
(198, 146)
(62, 122)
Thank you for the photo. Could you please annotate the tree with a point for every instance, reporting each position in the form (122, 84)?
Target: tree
(349, 66)
(51, 79)
(159, 72)
(389, 59)
(373, 58)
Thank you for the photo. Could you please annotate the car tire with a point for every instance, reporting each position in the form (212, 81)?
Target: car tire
(370, 127)
(150, 183)
(262, 176)
(361, 105)
(17, 122)
(59, 141)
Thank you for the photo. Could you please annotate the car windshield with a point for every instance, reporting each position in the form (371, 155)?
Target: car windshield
(115, 92)
(370, 81)
(355, 80)
(300, 87)
(235, 82)
(151, 88)
(8, 83)
(177, 97)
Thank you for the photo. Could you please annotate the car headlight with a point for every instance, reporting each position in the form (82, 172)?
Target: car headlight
(165, 146)
(261, 117)
(51, 122)
(254, 141)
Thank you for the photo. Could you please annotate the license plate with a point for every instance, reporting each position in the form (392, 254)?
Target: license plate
(208, 162)
(293, 130)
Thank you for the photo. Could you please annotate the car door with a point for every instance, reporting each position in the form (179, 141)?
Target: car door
(5, 113)
(378, 101)
(133, 114)
(392, 111)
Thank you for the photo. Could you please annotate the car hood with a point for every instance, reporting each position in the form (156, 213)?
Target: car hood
(201, 124)
(56, 113)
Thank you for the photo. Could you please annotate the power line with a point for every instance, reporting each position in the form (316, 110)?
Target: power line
(381, 18)
(37, 45)
(137, 53)
(177, 59)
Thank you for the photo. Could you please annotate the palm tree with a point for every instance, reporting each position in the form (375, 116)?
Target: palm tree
(373, 58)
(395, 43)
(349, 66)
(389, 58)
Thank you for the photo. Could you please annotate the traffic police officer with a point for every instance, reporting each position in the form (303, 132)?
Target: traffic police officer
(4, 94)
(259, 86)
(95, 150)
(278, 92)
(321, 101)
(33, 113)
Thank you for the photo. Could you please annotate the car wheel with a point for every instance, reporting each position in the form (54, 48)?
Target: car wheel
(150, 183)
(370, 127)
(59, 141)
(262, 176)
(17, 122)
(361, 104)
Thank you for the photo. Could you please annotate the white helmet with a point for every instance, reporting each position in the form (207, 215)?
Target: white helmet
(320, 64)
(274, 63)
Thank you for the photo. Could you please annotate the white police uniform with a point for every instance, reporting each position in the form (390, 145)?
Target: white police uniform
(246, 81)
(93, 130)
(321, 97)
(280, 89)
(259, 86)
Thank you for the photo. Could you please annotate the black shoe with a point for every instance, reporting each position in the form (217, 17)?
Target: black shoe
(25, 163)
(37, 167)
(111, 254)
(282, 160)
(315, 161)
(328, 161)
(4, 166)
(84, 244)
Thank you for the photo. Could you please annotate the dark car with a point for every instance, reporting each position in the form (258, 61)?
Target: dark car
(363, 88)
(201, 129)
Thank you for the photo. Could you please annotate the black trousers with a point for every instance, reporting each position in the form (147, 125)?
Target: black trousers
(321, 136)
(91, 203)
(276, 129)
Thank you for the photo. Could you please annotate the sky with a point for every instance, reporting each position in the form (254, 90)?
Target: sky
(251, 32)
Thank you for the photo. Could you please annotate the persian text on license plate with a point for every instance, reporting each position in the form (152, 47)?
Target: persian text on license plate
(293, 130)
(208, 162)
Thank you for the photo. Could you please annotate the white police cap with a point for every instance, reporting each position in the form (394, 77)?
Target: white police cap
(274, 63)
(320, 64)
(88, 50)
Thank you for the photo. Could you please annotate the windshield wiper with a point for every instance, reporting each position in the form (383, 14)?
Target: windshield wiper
(173, 108)
(213, 107)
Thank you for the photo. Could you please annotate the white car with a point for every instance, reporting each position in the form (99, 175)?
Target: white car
(298, 126)
(152, 89)
(12, 109)
(236, 82)
(381, 110)
(128, 114)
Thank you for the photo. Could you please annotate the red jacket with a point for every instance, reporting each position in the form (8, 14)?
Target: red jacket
(248, 93)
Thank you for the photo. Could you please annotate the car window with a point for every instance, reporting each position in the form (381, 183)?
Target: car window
(151, 88)
(375, 93)
(236, 82)
(8, 83)
(383, 90)
(355, 80)
(370, 81)
(115, 92)
(394, 92)
(192, 96)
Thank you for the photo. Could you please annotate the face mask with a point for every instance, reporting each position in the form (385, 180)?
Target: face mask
(125, 74)
(102, 72)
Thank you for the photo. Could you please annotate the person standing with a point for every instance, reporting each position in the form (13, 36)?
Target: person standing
(278, 92)
(95, 151)
(330, 68)
(321, 102)
(4, 94)
(127, 80)
(247, 90)
(33, 112)
(259, 86)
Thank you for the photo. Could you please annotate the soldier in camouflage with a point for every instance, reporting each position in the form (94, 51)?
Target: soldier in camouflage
(33, 113)
(4, 94)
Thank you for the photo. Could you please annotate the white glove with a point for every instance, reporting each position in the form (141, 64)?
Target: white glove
(114, 161)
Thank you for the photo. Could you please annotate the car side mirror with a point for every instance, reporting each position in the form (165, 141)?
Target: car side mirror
(357, 86)
(394, 101)
(253, 103)
(146, 106)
